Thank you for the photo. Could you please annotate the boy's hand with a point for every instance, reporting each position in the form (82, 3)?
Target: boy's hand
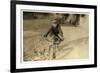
(61, 37)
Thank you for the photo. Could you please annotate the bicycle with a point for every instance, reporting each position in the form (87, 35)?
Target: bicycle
(53, 47)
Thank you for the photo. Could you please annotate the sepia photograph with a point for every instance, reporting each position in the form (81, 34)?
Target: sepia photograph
(52, 36)
(55, 36)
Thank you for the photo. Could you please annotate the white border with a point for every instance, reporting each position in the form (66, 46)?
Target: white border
(37, 64)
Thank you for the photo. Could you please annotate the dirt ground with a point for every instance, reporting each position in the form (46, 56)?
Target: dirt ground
(74, 46)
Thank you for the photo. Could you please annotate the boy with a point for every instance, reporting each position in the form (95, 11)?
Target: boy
(57, 35)
(55, 32)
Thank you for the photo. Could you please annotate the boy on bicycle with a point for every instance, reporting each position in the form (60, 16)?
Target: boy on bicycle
(56, 32)
(57, 35)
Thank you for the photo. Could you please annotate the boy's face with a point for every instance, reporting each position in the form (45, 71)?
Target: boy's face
(54, 25)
